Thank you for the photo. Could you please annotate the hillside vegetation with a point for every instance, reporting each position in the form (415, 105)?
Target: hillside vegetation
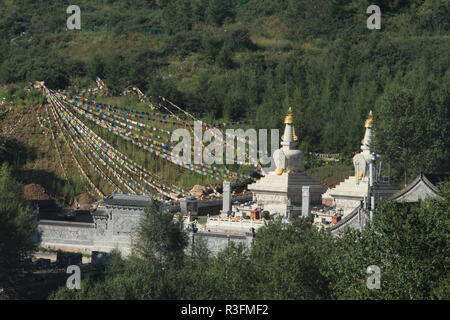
(231, 60)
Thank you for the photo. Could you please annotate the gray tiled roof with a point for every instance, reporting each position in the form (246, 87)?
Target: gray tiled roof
(124, 200)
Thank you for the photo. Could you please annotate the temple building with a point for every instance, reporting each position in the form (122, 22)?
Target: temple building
(281, 192)
(423, 187)
(348, 194)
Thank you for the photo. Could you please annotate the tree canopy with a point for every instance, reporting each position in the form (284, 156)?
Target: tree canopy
(17, 228)
(236, 60)
(408, 243)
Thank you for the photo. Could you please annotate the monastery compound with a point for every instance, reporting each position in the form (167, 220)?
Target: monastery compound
(283, 193)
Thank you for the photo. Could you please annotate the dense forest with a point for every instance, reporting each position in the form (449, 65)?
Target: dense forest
(228, 60)
(251, 59)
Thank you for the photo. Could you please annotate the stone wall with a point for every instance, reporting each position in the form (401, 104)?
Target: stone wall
(105, 235)
(115, 228)
(217, 242)
(66, 235)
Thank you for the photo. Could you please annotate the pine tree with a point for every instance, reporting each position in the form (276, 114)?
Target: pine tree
(17, 228)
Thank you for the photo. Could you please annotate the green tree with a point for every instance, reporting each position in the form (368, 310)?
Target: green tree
(160, 237)
(224, 59)
(412, 126)
(310, 18)
(3, 147)
(122, 279)
(17, 228)
(410, 245)
(290, 261)
(218, 10)
(230, 275)
(152, 271)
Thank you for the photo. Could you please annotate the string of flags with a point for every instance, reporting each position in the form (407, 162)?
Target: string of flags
(65, 133)
(110, 116)
(57, 149)
(72, 145)
(159, 149)
(181, 122)
(133, 189)
(104, 91)
(83, 173)
(87, 141)
(103, 158)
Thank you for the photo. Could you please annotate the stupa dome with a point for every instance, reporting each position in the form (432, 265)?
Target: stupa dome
(288, 158)
(361, 160)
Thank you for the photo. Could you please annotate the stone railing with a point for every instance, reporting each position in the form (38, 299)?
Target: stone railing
(234, 223)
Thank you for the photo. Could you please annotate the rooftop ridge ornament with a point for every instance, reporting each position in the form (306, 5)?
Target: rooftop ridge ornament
(369, 120)
(362, 160)
(289, 120)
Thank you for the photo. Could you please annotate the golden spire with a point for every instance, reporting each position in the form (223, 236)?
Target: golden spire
(369, 121)
(289, 119)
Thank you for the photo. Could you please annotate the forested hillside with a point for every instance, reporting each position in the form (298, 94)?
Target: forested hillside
(224, 61)
(251, 59)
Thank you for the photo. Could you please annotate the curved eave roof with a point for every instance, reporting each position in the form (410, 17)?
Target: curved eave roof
(429, 181)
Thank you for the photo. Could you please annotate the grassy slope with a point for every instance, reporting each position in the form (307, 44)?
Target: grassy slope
(331, 175)
(32, 152)
(44, 168)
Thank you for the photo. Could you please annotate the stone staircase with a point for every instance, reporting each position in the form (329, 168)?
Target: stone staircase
(351, 187)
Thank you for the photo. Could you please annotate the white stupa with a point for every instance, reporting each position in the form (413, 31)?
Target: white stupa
(282, 188)
(348, 194)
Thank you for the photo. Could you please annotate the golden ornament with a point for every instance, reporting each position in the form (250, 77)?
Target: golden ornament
(369, 121)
